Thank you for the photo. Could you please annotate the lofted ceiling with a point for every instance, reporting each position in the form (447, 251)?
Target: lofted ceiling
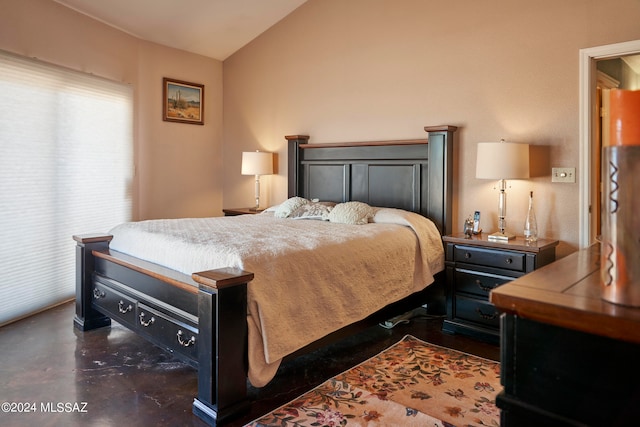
(213, 28)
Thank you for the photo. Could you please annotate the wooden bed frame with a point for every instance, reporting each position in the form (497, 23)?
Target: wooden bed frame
(202, 319)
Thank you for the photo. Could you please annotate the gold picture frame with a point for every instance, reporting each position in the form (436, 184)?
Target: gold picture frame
(182, 102)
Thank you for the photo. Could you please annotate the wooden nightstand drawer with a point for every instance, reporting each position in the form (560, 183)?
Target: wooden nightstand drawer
(478, 283)
(509, 260)
(477, 311)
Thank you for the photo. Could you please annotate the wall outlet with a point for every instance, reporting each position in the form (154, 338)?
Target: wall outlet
(563, 174)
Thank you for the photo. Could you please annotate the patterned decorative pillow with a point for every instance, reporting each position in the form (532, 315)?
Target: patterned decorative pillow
(351, 213)
(288, 206)
(313, 210)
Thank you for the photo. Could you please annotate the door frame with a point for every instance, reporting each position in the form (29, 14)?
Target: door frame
(588, 77)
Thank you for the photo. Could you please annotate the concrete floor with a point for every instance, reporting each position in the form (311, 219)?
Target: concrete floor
(58, 376)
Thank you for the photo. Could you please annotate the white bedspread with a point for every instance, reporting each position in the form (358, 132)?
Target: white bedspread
(308, 282)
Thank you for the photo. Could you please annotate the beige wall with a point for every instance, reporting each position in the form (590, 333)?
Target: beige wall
(178, 166)
(182, 162)
(380, 69)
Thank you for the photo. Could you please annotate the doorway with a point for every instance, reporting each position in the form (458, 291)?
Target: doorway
(590, 132)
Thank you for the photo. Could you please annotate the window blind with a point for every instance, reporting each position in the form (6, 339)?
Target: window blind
(66, 167)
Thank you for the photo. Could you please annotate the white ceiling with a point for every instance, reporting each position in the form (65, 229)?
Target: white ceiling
(213, 28)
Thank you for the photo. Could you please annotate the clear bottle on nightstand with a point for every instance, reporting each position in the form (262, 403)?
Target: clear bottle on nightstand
(530, 225)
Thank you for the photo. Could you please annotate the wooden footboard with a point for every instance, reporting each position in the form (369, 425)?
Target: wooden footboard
(201, 319)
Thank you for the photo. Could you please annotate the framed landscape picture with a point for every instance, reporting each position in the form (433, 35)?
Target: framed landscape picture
(183, 102)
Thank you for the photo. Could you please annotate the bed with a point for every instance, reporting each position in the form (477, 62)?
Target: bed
(204, 317)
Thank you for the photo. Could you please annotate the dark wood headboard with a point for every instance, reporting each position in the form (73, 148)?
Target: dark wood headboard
(414, 175)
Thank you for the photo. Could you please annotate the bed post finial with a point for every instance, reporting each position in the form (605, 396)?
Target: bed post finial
(293, 162)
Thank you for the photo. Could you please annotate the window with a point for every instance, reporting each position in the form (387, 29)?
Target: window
(66, 167)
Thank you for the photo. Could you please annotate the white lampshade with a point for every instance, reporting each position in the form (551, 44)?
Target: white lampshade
(257, 163)
(502, 160)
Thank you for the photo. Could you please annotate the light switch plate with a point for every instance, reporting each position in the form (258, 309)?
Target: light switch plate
(563, 174)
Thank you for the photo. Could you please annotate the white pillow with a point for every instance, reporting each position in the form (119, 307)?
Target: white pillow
(351, 213)
(288, 206)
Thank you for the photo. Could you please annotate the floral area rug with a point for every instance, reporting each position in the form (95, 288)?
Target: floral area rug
(412, 383)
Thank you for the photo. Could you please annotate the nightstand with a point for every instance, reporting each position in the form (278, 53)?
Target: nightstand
(475, 266)
(240, 211)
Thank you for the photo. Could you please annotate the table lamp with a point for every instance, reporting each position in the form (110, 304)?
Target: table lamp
(502, 161)
(257, 163)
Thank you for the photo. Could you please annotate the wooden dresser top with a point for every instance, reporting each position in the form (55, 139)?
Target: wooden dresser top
(567, 293)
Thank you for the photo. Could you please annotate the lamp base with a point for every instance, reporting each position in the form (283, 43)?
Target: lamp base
(501, 236)
(256, 209)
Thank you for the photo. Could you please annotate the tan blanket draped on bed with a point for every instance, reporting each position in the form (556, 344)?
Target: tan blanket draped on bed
(311, 277)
